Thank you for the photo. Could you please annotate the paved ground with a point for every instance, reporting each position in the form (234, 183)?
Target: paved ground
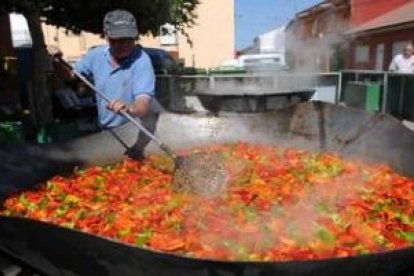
(409, 124)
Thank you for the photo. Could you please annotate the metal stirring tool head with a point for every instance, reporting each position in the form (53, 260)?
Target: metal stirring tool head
(203, 174)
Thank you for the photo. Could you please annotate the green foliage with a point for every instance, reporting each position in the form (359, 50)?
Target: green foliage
(77, 15)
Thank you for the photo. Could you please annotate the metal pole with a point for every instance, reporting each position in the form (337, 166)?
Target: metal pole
(339, 89)
(401, 100)
(385, 94)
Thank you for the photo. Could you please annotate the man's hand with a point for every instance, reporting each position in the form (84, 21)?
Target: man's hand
(116, 106)
(54, 51)
(136, 109)
(56, 54)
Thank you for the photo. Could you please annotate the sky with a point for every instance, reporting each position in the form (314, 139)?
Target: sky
(255, 17)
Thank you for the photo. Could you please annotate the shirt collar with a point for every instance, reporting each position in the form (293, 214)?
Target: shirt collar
(136, 53)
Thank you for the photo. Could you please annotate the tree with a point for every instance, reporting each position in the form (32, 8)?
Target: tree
(81, 15)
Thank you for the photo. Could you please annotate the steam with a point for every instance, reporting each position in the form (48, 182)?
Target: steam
(309, 51)
(276, 83)
(307, 55)
(293, 222)
(313, 48)
(305, 58)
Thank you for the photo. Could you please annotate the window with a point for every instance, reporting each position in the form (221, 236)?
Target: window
(332, 22)
(398, 46)
(168, 35)
(315, 27)
(362, 53)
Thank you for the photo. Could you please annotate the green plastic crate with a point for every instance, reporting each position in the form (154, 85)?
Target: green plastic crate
(11, 133)
(58, 131)
(363, 95)
(373, 100)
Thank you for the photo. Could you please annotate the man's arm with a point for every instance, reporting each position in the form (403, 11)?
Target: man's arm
(137, 109)
(140, 106)
(61, 70)
(82, 66)
(143, 86)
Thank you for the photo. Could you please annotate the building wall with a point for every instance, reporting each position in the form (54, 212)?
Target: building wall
(72, 45)
(372, 41)
(273, 41)
(365, 10)
(212, 37)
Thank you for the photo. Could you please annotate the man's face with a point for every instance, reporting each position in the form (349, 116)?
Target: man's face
(121, 47)
(408, 51)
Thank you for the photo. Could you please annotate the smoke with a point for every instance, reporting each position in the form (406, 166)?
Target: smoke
(313, 45)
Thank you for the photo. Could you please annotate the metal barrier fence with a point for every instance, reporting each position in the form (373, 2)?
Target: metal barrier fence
(374, 91)
(181, 93)
(385, 92)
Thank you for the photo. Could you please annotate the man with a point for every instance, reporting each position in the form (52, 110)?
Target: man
(404, 63)
(121, 70)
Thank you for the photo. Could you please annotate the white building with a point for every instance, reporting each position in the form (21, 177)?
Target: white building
(270, 42)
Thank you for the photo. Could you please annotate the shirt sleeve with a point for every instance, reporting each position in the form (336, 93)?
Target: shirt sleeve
(143, 79)
(393, 65)
(84, 65)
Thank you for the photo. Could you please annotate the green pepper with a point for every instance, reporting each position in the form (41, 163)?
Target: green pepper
(61, 210)
(142, 238)
(408, 236)
(325, 235)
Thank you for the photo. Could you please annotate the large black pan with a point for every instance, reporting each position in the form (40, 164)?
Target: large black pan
(314, 126)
